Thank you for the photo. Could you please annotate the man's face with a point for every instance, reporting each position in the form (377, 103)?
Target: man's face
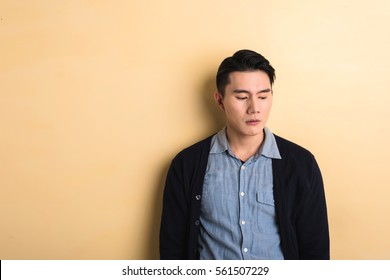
(247, 103)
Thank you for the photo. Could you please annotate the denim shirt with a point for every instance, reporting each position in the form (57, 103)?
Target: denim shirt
(238, 219)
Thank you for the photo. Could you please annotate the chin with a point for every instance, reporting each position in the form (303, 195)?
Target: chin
(256, 131)
(253, 133)
(247, 131)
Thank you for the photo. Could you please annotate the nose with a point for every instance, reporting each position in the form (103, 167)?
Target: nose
(254, 106)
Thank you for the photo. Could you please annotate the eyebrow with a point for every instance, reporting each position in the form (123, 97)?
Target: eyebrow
(247, 91)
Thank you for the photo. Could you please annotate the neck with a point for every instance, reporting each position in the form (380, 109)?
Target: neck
(244, 146)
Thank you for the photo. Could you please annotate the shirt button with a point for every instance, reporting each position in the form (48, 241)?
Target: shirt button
(243, 222)
(198, 197)
(197, 222)
(245, 250)
(242, 193)
(243, 167)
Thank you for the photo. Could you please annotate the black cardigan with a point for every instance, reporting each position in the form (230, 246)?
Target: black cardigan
(299, 202)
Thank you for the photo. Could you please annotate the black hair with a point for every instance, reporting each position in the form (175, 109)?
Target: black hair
(242, 61)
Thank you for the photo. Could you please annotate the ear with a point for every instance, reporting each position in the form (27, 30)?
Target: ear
(219, 99)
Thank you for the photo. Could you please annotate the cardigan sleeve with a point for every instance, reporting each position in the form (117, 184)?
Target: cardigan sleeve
(173, 230)
(312, 220)
(300, 203)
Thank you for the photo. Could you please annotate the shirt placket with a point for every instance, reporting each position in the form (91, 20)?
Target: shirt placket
(243, 202)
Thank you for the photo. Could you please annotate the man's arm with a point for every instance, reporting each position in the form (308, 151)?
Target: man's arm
(174, 230)
(312, 220)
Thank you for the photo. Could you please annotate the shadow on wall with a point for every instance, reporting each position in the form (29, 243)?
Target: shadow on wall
(216, 121)
(210, 108)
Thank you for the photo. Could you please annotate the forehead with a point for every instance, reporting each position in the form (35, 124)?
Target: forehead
(256, 78)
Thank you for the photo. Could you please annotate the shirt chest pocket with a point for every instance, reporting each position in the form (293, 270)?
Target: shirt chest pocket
(265, 197)
(266, 214)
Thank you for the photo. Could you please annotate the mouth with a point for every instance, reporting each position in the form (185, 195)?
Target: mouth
(252, 122)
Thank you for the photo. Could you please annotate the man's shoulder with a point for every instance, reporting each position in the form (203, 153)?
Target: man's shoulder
(288, 148)
(196, 150)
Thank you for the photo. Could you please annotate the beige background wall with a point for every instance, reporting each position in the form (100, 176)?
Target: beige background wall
(96, 97)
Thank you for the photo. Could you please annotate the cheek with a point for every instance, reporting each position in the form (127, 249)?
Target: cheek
(233, 112)
(267, 107)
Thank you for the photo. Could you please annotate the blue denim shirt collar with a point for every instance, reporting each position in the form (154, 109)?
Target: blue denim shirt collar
(268, 148)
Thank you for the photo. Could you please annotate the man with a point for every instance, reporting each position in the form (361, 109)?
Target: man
(244, 193)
